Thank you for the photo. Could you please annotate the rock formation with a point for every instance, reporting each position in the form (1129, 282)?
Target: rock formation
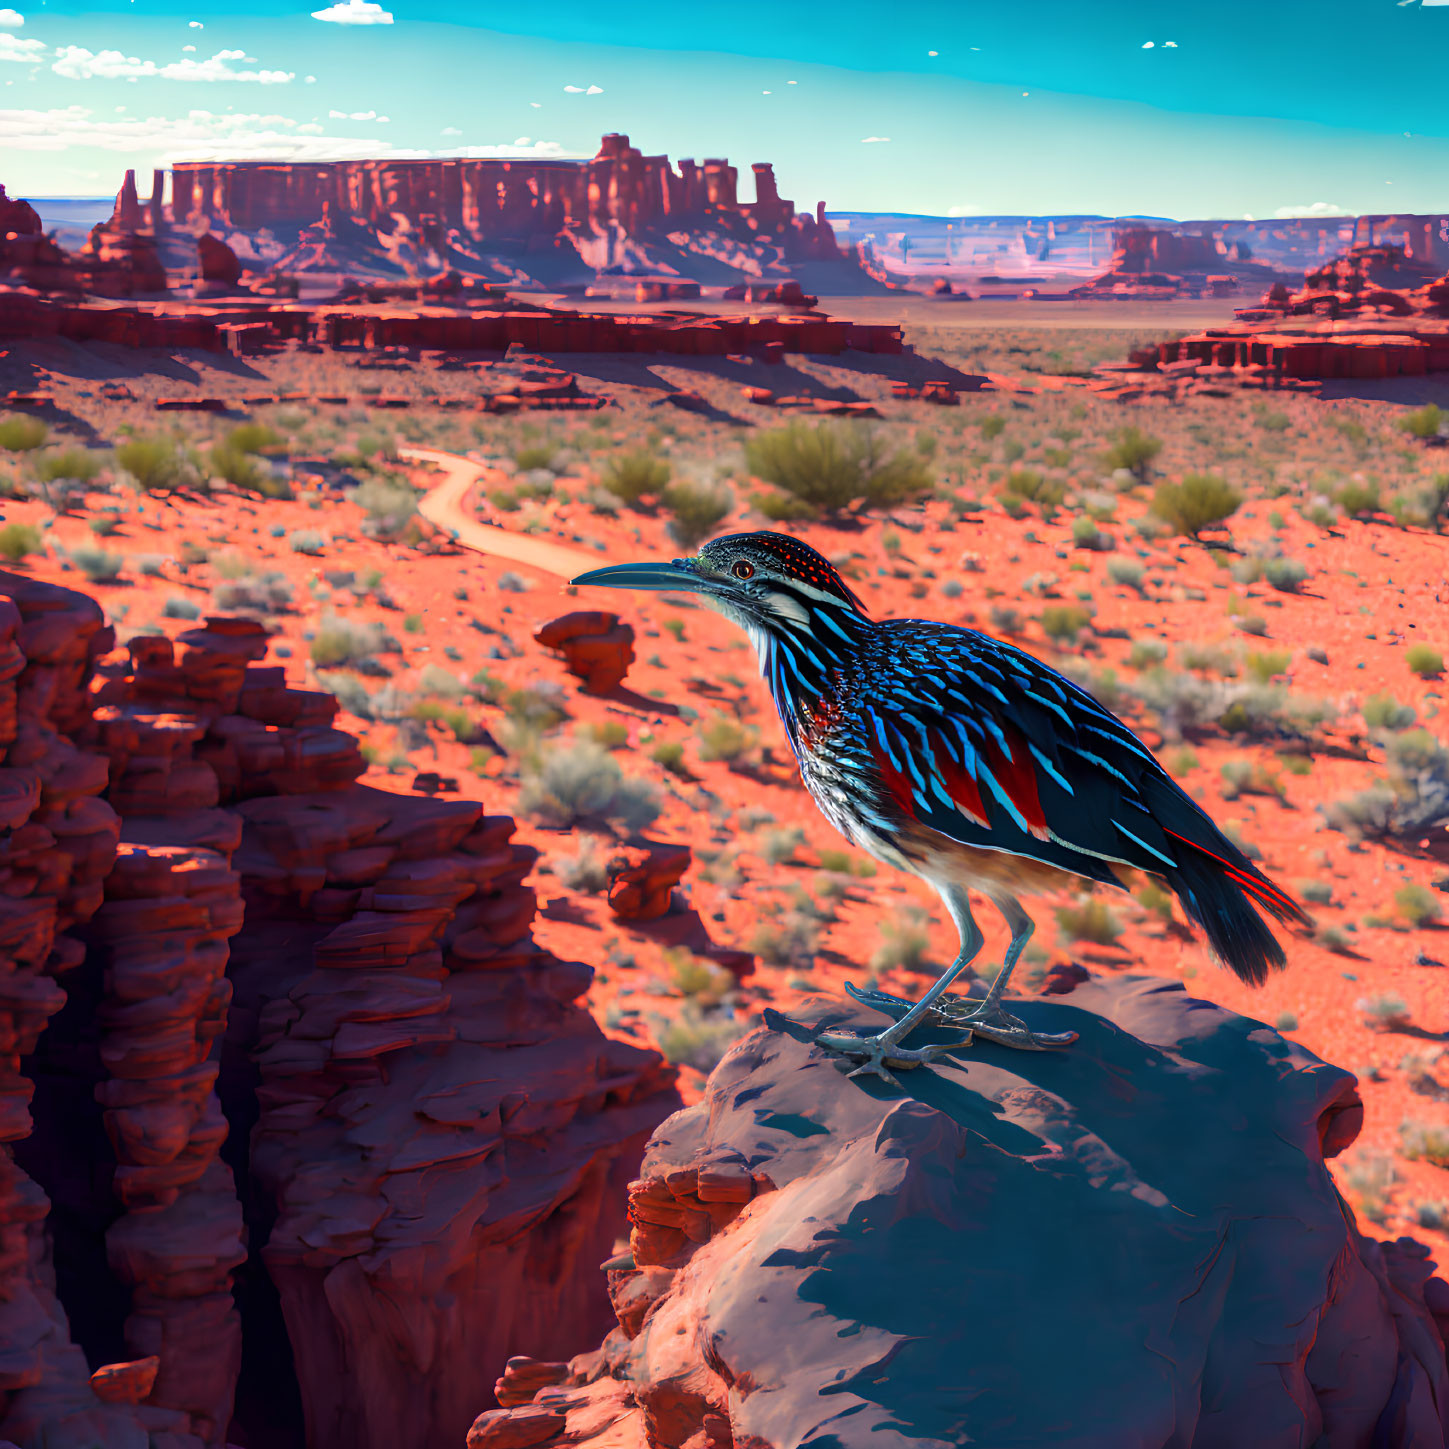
(596, 647)
(424, 1141)
(620, 188)
(1132, 1242)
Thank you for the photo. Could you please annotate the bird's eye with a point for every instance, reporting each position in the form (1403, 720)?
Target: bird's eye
(743, 569)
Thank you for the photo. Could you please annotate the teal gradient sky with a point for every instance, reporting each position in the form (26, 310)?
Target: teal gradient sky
(1055, 108)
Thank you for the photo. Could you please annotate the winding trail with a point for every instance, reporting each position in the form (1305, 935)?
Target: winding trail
(445, 506)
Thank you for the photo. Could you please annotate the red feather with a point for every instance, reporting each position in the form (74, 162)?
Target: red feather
(899, 786)
(961, 785)
(1264, 890)
(1017, 777)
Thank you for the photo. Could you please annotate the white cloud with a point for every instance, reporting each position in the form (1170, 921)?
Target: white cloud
(580, 91)
(356, 116)
(11, 19)
(872, 140)
(195, 25)
(594, 91)
(537, 105)
(1148, 44)
(202, 135)
(450, 131)
(75, 62)
(964, 210)
(12, 47)
(574, 90)
(1170, 44)
(354, 12)
(188, 47)
(1313, 208)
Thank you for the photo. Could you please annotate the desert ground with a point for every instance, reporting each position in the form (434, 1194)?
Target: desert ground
(1285, 666)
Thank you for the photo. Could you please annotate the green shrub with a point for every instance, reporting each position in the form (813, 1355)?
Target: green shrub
(254, 595)
(1133, 450)
(721, 738)
(1126, 572)
(158, 464)
(1384, 1012)
(830, 467)
(340, 642)
(586, 870)
(629, 476)
(1384, 712)
(1027, 485)
(535, 455)
(177, 607)
(1424, 1142)
(1284, 574)
(1425, 423)
(778, 847)
(1359, 499)
(1267, 666)
(697, 509)
(1089, 920)
(697, 1037)
(1424, 661)
(1417, 904)
(905, 943)
(1201, 500)
(1063, 622)
(308, 541)
(20, 434)
(19, 540)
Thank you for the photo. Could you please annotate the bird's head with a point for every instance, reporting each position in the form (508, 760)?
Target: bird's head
(766, 582)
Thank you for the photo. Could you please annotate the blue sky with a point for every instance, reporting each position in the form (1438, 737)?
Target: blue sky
(1225, 111)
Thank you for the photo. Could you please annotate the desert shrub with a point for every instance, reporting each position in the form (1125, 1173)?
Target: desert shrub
(696, 510)
(391, 505)
(1371, 1176)
(1133, 450)
(629, 476)
(1249, 777)
(586, 870)
(778, 847)
(698, 978)
(1268, 665)
(905, 943)
(792, 940)
(1426, 423)
(19, 540)
(97, 565)
(830, 467)
(440, 683)
(20, 434)
(339, 643)
(1146, 654)
(257, 595)
(1126, 572)
(1413, 799)
(236, 459)
(1284, 574)
(63, 477)
(1188, 704)
(308, 541)
(1384, 1012)
(1416, 904)
(1359, 499)
(1061, 623)
(669, 755)
(581, 782)
(1201, 500)
(1089, 920)
(178, 607)
(1086, 534)
(1384, 712)
(1027, 485)
(698, 1037)
(1424, 1142)
(1424, 661)
(722, 738)
(535, 455)
(159, 465)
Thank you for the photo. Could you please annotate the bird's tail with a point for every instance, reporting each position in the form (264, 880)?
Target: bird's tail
(1219, 889)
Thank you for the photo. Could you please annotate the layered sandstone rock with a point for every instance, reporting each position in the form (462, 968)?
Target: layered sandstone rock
(441, 1134)
(815, 1258)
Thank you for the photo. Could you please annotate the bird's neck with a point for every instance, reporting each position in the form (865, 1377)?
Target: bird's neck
(805, 663)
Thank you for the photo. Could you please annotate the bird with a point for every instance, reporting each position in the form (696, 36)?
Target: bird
(971, 764)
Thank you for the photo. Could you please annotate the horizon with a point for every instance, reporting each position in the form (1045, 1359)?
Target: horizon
(1236, 115)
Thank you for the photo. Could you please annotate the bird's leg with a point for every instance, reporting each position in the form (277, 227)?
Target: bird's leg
(991, 1020)
(882, 1051)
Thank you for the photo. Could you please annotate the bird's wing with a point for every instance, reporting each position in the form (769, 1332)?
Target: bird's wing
(988, 746)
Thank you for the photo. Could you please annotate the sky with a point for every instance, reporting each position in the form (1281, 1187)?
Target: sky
(1123, 108)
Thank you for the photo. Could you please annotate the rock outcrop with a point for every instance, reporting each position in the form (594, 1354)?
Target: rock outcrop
(596, 647)
(1136, 1241)
(411, 1145)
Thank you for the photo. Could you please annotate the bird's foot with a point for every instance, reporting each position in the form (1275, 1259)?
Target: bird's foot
(879, 1055)
(948, 1011)
(997, 1024)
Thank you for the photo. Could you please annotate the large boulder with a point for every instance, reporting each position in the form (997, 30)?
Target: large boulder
(1132, 1244)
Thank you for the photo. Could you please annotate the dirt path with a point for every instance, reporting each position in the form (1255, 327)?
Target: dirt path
(445, 505)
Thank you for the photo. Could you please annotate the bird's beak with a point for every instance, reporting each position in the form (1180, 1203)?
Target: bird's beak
(681, 575)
